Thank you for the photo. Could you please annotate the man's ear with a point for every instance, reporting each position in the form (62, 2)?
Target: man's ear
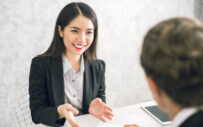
(159, 95)
(154, 88)
(60, 31)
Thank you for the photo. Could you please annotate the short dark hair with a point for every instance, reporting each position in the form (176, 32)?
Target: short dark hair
(67, 14)
(172, 55)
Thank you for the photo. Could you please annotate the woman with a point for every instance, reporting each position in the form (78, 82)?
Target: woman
(68, 78)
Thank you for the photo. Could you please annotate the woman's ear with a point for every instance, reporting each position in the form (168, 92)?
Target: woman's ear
(60, 31)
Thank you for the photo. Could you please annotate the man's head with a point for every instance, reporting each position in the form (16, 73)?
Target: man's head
(172, 58)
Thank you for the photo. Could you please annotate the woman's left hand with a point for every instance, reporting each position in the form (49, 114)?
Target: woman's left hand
(100, 110)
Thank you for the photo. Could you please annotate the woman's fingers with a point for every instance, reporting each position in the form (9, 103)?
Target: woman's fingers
(67, 110)
(105, 106)
(70, 117)
(100, 110)
(108, 108)
(72, 109)
(101, 118)
(107, 116)
(108, 113)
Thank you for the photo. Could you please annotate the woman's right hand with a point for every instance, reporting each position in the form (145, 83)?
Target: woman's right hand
(67, 111)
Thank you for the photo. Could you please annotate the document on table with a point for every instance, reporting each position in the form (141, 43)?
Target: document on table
(101, 124)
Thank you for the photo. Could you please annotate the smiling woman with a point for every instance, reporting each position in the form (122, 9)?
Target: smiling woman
(68, 79)
(77, 35)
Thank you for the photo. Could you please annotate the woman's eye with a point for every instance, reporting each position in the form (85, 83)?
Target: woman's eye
(74, 31)
(89, 32)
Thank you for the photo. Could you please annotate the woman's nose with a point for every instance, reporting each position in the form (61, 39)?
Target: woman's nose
(82, 38)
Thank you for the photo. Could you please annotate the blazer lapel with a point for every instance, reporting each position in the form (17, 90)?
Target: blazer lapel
(57, 80)
(87, 89)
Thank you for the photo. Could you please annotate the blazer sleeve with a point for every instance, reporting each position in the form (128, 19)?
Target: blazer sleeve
(102, 86)
(41, 111)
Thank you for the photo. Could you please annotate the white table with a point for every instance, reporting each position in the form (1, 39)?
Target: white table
(125, 115)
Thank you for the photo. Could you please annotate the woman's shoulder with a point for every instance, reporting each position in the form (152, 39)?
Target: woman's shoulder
(40, 59)
(99, 61)
(99, 64)
(46, 60)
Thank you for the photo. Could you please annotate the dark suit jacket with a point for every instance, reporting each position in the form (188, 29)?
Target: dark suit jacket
(195, 120)
(46, 88)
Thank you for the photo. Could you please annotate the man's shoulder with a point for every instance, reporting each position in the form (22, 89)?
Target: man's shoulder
(196, 120)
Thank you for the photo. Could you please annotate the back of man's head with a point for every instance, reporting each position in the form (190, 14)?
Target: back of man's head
(172, 55)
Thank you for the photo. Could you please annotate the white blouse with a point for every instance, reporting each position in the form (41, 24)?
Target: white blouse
(73, 83)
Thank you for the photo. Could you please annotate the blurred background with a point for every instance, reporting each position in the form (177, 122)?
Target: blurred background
(26, 30)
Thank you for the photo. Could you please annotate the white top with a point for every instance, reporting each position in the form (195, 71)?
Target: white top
(73, 83)
(182, 116)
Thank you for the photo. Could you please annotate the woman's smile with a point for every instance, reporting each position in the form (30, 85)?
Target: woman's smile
(78, 46)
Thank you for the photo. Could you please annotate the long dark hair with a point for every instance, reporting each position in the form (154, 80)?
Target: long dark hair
(67, 14)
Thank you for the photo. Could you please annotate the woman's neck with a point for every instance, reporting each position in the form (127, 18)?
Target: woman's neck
(74, 60)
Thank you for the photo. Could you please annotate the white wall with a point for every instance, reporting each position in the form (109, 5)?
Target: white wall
(26, 29)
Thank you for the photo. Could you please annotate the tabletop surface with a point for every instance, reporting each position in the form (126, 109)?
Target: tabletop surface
(132, 114)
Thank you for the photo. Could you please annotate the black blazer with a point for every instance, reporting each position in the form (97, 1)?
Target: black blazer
(195, 120)
(46, 88)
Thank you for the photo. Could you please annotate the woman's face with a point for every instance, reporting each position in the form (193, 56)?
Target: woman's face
(78, 35)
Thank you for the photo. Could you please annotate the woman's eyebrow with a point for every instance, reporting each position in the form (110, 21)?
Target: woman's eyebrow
(75, 27)
(90, 29)
(79, 28)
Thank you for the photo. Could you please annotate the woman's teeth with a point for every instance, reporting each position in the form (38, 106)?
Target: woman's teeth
(79, 46)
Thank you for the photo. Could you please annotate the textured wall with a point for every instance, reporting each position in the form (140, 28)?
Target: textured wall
(26, 29)
(199, 9)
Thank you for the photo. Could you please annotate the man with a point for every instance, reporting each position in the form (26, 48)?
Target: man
(172, 58)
